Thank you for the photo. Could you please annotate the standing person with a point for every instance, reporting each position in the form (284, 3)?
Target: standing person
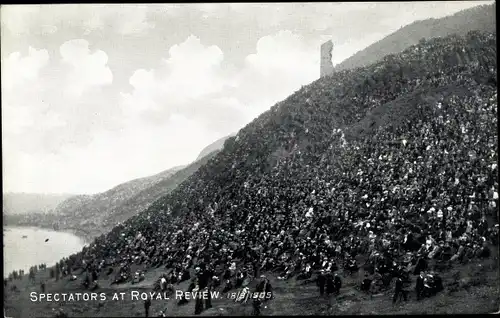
(147, 305)
(208, 300)
(204, 278)
(42, 287)
(330, 287)
(265, 286)
(420, 285)
(337, 284)
(366, 284)
(256, 307)
(321, 282)
(163, 284)
(198, 306)
(398, 291)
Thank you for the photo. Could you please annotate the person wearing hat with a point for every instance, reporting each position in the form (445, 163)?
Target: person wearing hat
(163, 283)
(264, 286)
(203, 276)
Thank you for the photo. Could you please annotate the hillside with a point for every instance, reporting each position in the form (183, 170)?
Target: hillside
(143, 199)
(100, 213)
(85, 214)
(89, 216)
(216, 145)
(90, 209)
(392, 165)
(25, 203)
(482, 18)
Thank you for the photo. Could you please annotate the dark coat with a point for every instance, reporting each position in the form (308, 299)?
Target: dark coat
(330, 287)
(321, 280)
(420, 284)
(337, 282)
(399, 284)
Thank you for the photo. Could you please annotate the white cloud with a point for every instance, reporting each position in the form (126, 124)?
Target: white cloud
(280, 52)
(191, 82)
(191, 72)
(18, 70)
(282, 64)
(43, 108)
(109, 159)
(87, 69)
(193, 69)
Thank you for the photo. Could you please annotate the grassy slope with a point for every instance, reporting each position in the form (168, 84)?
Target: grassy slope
(477, 292)
(142, 200)
(477, 18)
(216, 145)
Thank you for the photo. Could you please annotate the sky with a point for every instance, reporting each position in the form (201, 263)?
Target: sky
(96, 95)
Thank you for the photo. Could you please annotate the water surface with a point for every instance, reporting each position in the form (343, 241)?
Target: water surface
(21, 253)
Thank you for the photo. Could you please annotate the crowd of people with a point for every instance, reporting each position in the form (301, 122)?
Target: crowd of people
(19, 274)
(312, 185)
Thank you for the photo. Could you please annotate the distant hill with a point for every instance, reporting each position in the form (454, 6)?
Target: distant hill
(92, 215)
(100, 213)
(480, 18)
(143, 200)
(26, 203)
(90, 210)
(216, 145)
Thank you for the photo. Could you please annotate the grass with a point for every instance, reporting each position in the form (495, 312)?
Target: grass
(469, 289)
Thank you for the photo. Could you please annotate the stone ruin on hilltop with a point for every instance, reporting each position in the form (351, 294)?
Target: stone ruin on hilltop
(326, 67)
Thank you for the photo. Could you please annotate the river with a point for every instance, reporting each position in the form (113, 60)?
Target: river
(33, 249)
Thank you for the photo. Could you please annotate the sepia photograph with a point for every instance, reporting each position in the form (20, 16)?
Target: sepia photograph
(249, 159)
